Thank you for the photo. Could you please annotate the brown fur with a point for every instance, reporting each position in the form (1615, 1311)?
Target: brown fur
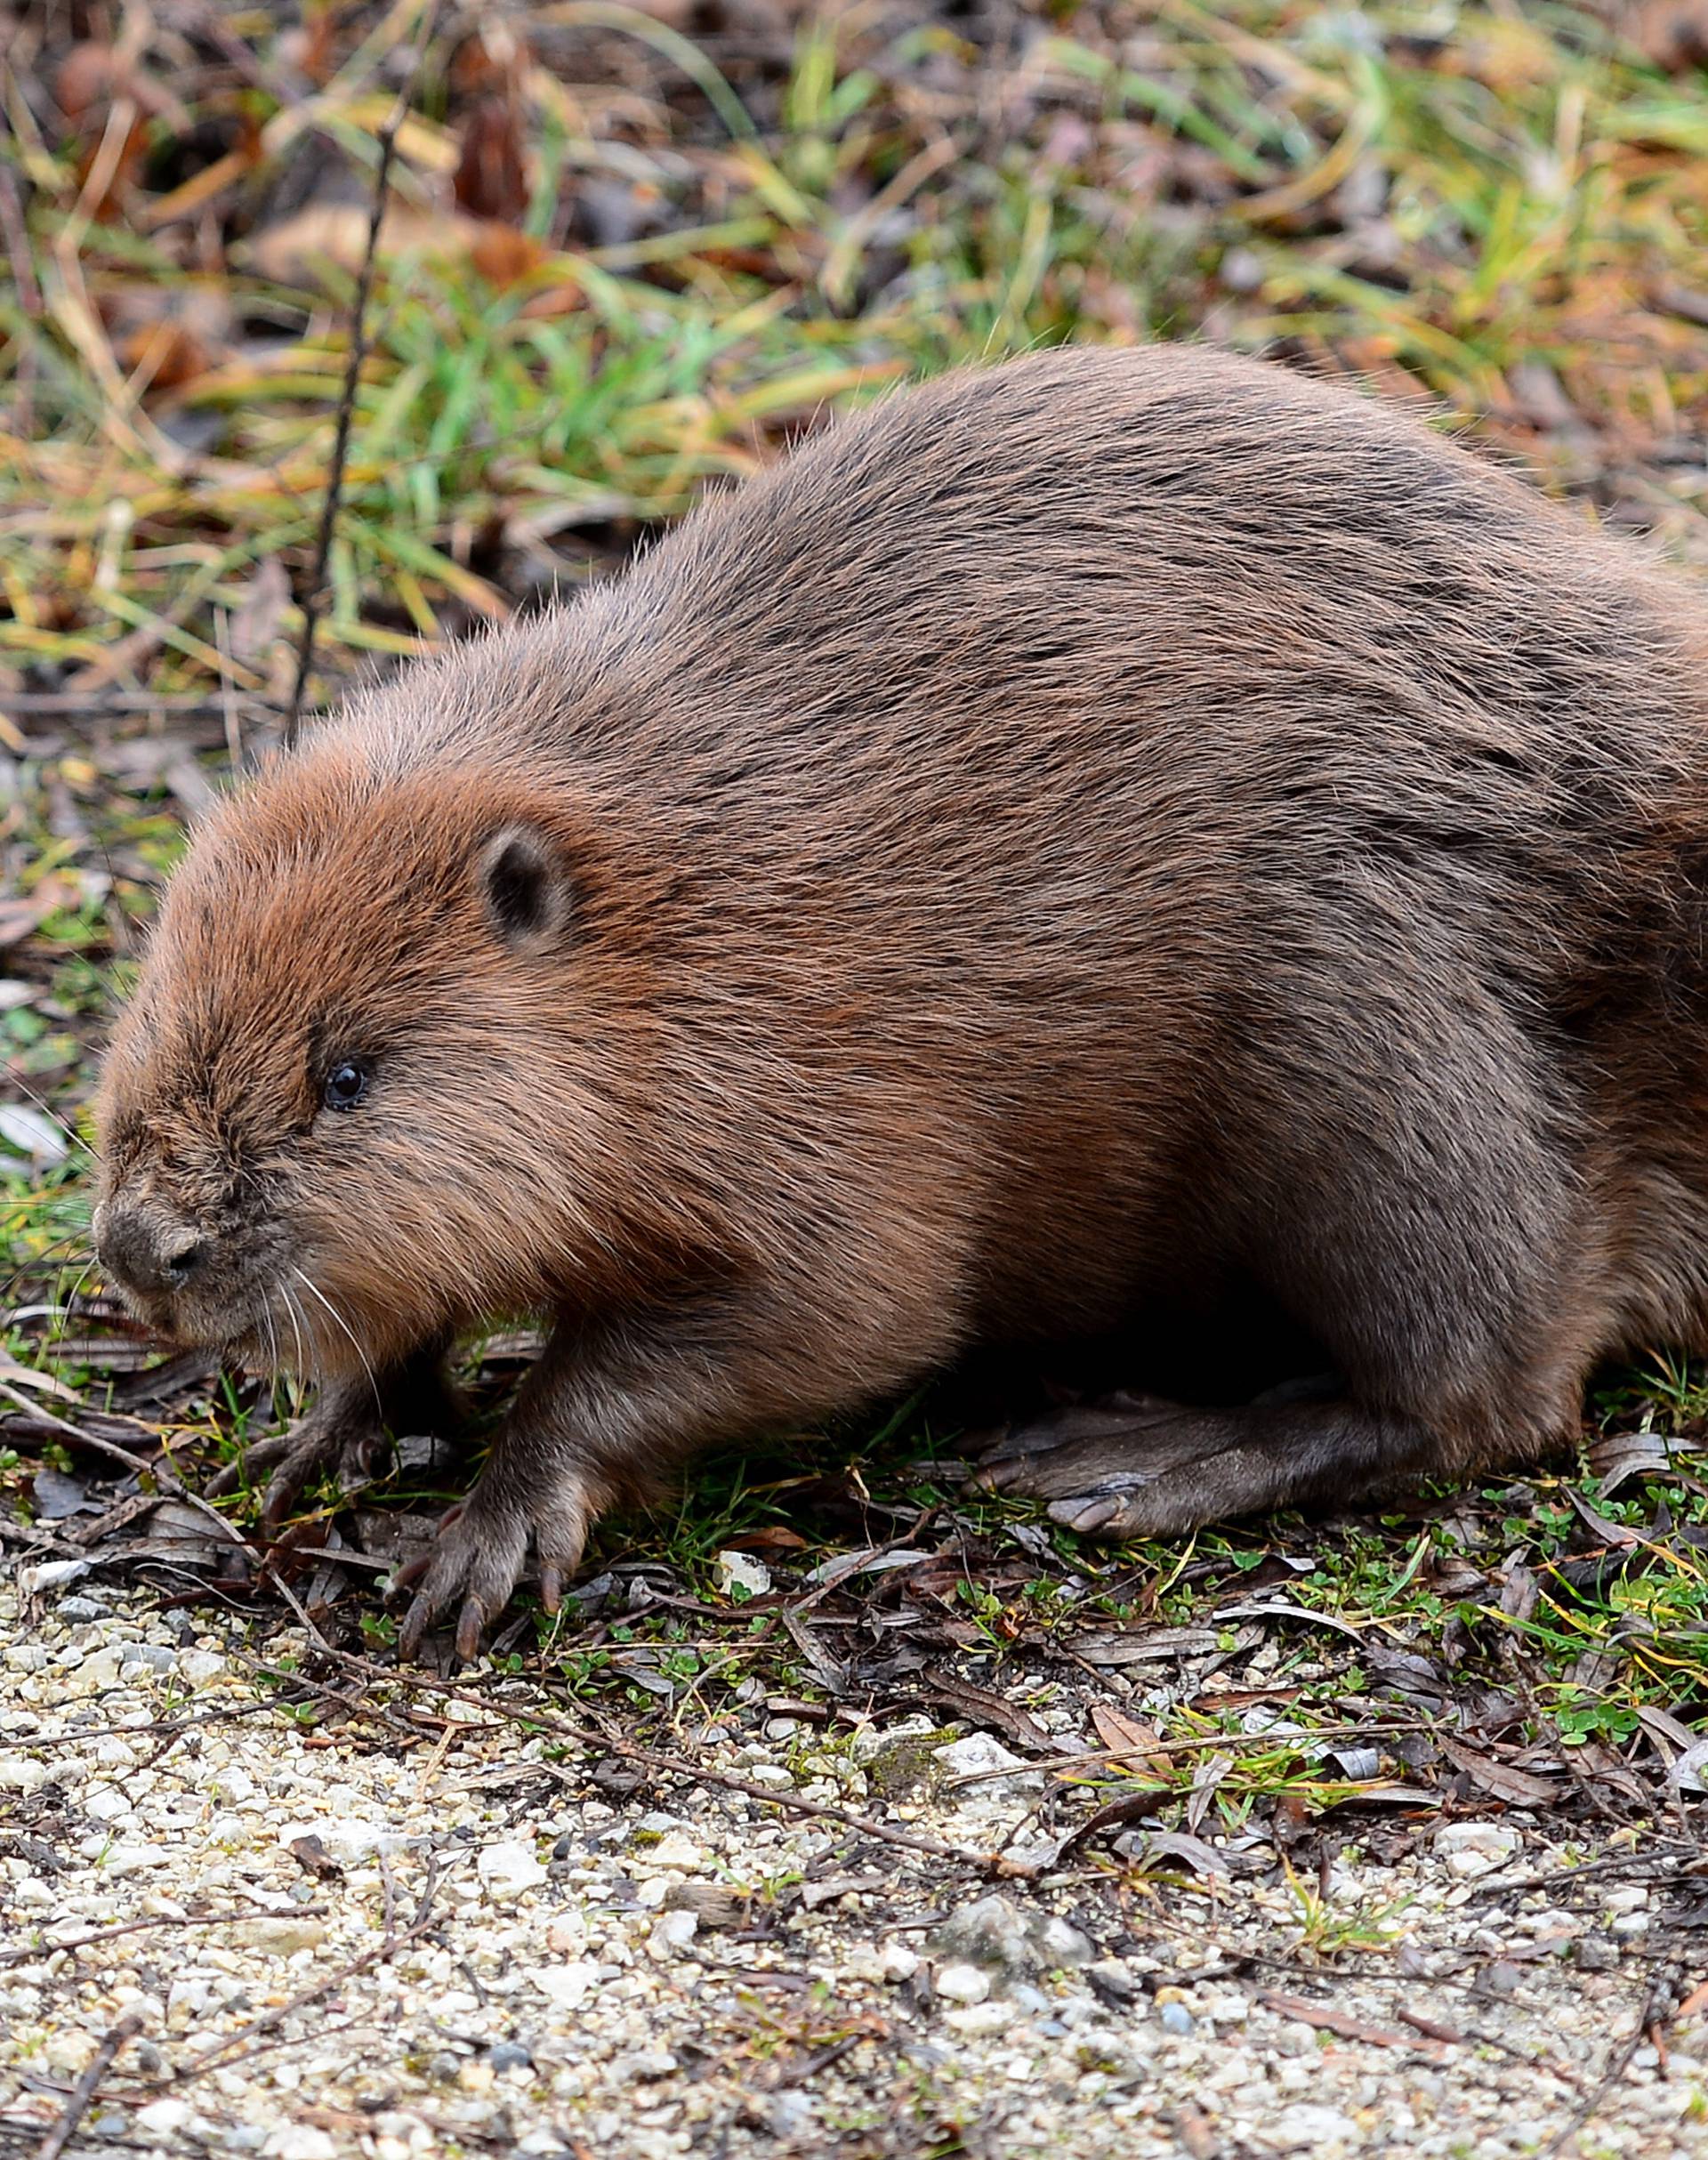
(1086, 836)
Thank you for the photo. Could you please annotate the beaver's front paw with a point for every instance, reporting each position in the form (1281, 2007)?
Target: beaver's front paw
(333, 1439)
(481, 1551)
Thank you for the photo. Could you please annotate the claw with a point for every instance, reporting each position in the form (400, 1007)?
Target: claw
(480, 1552)
(1090, 1511)
(416, 1624)
(470, 1622)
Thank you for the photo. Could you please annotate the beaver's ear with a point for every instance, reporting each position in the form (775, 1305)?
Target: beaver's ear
(526, 888)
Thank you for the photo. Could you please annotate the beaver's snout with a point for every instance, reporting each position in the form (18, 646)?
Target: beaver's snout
(149, 1251)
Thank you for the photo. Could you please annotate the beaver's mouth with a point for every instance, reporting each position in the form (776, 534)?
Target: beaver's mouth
(237, 1331)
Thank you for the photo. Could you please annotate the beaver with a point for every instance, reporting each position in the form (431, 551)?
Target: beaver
(1078, 838)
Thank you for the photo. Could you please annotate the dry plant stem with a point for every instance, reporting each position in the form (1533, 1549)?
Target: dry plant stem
(673, 1766)
(12, 223)
(1566, 2138)
(57, 2138)
(314, 597)
(230, 2050)
(161, 1920)
(61, 705)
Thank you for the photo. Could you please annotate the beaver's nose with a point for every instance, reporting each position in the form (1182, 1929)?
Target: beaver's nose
(147, 1251)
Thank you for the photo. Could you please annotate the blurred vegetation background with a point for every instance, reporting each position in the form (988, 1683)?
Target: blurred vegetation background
(630, 250)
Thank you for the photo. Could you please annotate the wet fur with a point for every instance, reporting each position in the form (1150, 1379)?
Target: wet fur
(1118, 827)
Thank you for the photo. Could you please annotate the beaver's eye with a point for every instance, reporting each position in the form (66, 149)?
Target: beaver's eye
(345, 1086)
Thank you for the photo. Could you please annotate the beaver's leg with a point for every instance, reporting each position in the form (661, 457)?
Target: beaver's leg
(603, 1417)
(346, 1434)
(1428, 1229)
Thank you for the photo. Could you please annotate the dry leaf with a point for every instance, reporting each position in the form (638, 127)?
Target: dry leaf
(492, 174)
(1137, 1741)
(1519, 1788)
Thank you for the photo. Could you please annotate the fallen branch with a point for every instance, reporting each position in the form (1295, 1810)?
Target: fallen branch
(97, 2066)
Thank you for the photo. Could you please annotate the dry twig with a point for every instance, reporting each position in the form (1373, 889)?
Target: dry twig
(314, 597)
(97, 2066)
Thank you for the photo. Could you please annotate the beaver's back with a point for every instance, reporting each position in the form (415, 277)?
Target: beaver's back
(1103, 641)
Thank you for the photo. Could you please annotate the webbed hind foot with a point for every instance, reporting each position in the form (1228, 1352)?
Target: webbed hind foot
(1145, 1468)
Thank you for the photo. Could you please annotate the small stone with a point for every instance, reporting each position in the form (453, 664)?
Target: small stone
(710, 1903)
(978, 2019)
(961, 1983)
(900, 1963)
(672, 1934)
(673, 1850)
(871, 1741)
(283, 1937)
(979, 1755)
(1596, 1953)
(790, 2114)
(22, 1773)
(507, 1870)
(1007, 1942)
(1114, 1978)
(1174, 2017)
(645, 2065)
(1062, 1944)
(151, 1657)
(509, 2055)
(300, 2141)
(740, 1572)
(134, 1859)
(1308, 2127)
(163, 2118)
(1474, 1848)
(567, 1985)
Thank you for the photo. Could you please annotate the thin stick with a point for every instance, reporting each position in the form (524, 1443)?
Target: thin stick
(314, 598)
(592, 1740)
(12, 223)
(38, 1951)
(57, 2138)
(64, 705)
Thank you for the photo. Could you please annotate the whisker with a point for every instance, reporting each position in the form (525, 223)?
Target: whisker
(272, 1334)
(68, 1307)
(299, 1321)
(43, 1259)
(313, 1291)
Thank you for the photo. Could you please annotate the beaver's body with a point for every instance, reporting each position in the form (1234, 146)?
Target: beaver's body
(1107, 828)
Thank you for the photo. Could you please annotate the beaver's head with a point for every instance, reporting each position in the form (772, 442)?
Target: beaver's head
(356, 1099)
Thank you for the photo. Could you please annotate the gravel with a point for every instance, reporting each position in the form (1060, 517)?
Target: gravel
(340, 1943)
